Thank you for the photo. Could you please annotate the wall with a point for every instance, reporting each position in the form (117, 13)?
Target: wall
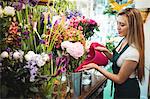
(140, 4)
(144, 87)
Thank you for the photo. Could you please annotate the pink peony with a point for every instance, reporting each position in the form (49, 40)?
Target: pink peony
(76, 49)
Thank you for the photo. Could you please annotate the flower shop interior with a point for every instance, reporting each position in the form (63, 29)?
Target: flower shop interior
(44, 42)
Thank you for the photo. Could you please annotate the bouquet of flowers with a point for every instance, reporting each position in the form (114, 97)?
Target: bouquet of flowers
(33, 46)
(22, 73)
(28, 52)
(86, 25)
(76, 53)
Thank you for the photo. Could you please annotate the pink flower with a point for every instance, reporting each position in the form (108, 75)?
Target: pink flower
(80, 28)
(65, 44)
(76, 49)
(83, 21)
(92, 22)
(71, 24)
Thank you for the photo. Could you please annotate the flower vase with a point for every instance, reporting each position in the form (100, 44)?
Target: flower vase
(76, 79)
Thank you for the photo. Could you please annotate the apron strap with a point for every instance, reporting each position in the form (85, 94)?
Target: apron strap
(116, 47)
(112, 83)
(119, 42)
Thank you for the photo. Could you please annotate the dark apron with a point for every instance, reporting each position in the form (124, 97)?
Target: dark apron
(130, 88)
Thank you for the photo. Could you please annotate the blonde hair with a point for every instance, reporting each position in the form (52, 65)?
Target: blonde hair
(135, 35)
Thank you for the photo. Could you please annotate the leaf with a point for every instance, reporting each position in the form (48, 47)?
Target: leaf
(97, 29)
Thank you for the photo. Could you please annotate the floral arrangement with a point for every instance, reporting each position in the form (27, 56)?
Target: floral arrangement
(23, 71)
(76, 53)
(86, 25)
(27, 48)
(33, 46)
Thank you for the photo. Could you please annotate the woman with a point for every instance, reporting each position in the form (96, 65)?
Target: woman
(127, 57)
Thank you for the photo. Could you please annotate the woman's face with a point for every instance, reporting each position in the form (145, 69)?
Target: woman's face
(122, 25)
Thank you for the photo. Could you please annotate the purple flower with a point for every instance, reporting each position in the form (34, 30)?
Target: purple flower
(26, 37)
(71, 14)
(25, 32)
(63, 69)
(33, 73)
(8, 49)
(56, 22)
(77, 14)
(62, 61)
(18, 5)
(19, 38)
(1, 4)
(57, 73)
(50, 56)
(42, 41)
(57, 61)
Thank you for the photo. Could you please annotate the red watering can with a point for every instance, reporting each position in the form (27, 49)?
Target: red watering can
(94, 56)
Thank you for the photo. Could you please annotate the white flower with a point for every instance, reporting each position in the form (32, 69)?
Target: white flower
(31, 53)
(32, 79)
(45, 57)
(18, 54)
(9, 11)
(29, 56)
(39, 60)
(4, 54)
(1, 11)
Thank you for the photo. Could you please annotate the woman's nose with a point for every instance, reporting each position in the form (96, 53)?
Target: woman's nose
(118, 27)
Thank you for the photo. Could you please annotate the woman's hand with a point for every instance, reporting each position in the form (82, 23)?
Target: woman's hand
(101, 49)
(89, 66)
(105, 51)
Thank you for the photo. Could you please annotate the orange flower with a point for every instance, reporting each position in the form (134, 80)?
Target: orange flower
(13, 29)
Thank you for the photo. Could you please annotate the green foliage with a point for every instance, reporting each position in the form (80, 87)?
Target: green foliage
(109, 10)
(110, 46)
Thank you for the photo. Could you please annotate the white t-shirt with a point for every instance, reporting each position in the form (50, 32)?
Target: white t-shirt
(131, 53)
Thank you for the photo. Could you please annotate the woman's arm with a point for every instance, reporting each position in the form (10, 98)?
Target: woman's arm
(105, 51)
(126, 70)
